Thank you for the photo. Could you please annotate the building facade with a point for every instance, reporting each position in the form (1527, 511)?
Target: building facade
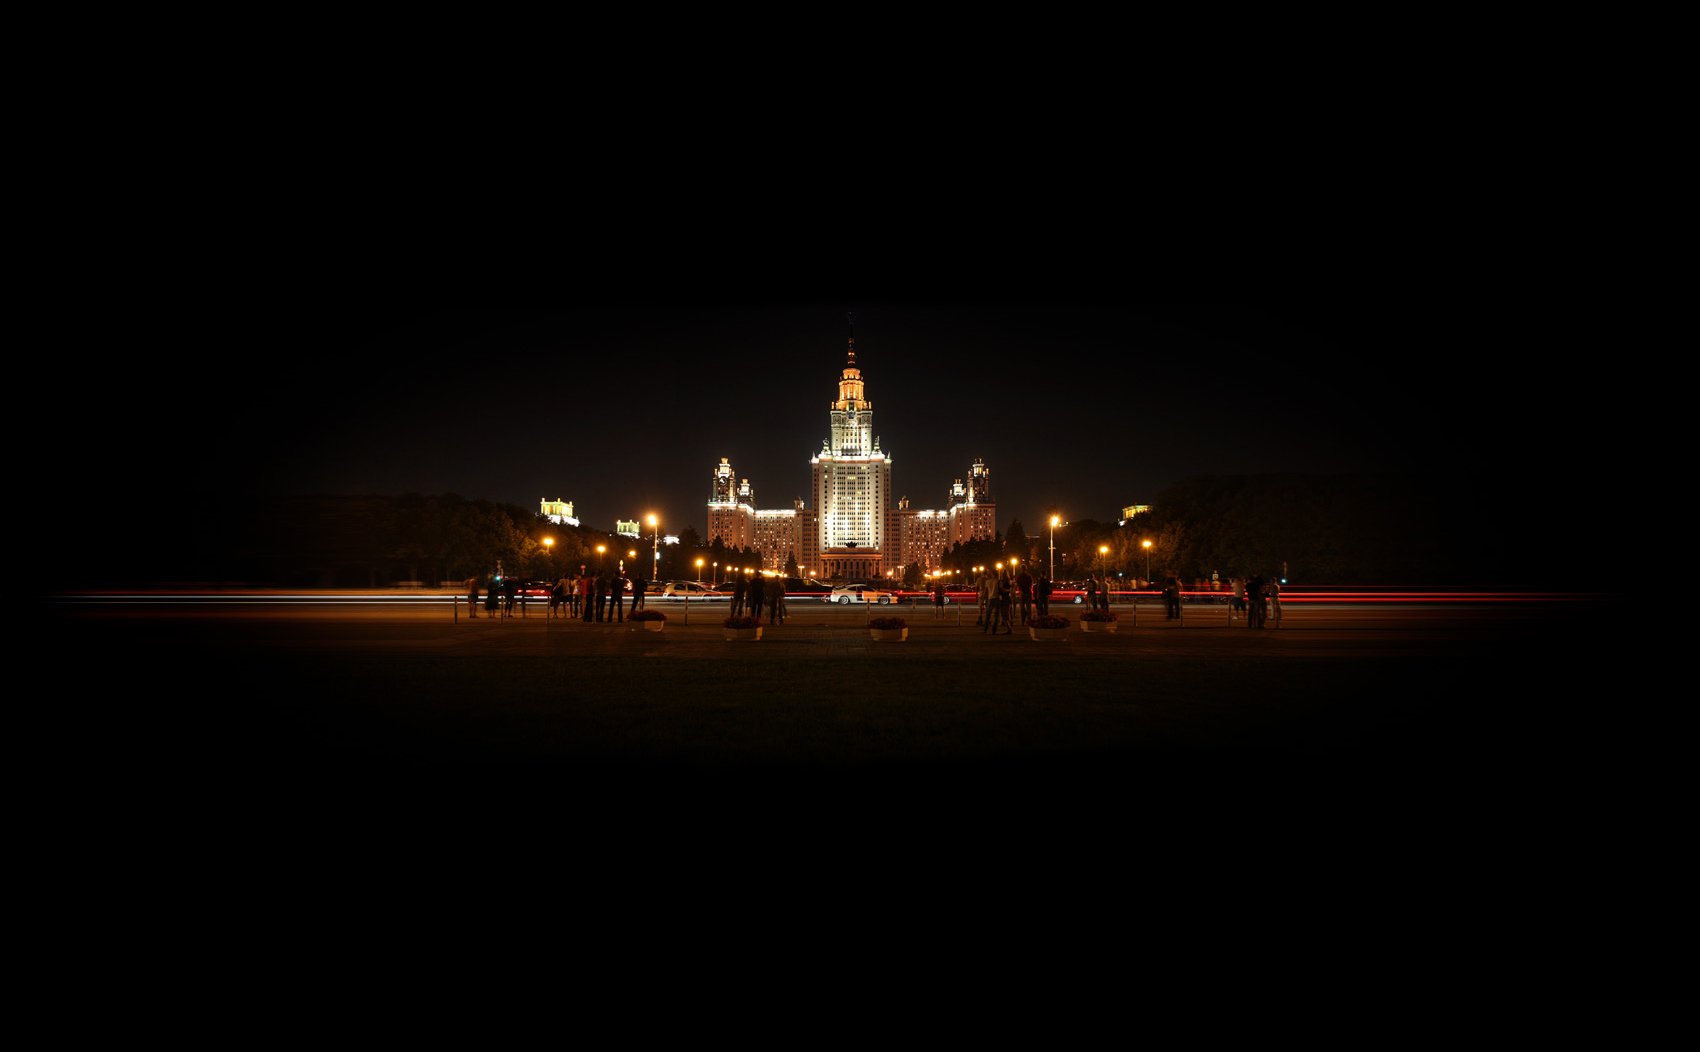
(730, 514)
(851, 527)
(972, 509)
(559, 512)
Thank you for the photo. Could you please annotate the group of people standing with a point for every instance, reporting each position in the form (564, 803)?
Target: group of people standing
(598, 597)
(586, 596)
(500, 595)
(752, 593)
(1098, 593)
(1008, 594)
(1256, 596)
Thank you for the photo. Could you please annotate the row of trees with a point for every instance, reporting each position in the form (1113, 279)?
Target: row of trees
(1315, 529)
(1322, 529)
(365, 542)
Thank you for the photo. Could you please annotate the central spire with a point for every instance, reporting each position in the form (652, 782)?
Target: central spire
(850, 396)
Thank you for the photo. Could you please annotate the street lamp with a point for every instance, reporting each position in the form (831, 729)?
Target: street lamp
(714, 578)
(1054, 521)
(699, 571)
(1146, 544)
(1103, 552)
(601, 550)
(655, 542)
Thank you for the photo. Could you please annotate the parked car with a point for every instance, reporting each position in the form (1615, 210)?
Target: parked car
(855, 593)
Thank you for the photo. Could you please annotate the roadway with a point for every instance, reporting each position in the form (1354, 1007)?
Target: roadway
(361, 711)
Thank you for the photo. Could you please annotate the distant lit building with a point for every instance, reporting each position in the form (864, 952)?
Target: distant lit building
(730, 516)
(776, 537)
(627, 528)
(973, 512)
(855, 529)
(1134, 509)
(925, 535)
(559, 512)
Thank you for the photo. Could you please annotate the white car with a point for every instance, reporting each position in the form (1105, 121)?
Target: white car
(692, 590)
(856, 593)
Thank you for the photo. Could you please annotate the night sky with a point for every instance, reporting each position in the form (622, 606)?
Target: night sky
(624, 405)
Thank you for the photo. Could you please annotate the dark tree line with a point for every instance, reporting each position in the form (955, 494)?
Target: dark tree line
(367, 542)
(1392, 529)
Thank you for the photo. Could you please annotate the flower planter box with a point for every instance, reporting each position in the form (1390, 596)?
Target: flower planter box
(1048, 635)
(741, 634)
(888, 635)
(653, 626)
(1098, 626)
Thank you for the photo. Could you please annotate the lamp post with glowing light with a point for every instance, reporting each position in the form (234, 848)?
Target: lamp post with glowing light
(1054, 521)
(655, 542)
(1146, 544)
(699, 571)
(601, 550)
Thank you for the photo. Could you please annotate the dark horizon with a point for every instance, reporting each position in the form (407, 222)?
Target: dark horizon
(624, 406)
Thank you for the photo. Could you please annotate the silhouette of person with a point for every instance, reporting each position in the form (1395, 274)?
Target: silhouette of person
(753, 596)
(1004, 599)
(472, 595)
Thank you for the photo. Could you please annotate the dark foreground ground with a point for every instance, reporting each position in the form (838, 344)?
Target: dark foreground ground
(1353, 715)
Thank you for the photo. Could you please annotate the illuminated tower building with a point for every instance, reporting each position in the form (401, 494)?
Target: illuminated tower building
(852, 486)
(973, 512)
(855, 530)
(969, 515)
(731, 516)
